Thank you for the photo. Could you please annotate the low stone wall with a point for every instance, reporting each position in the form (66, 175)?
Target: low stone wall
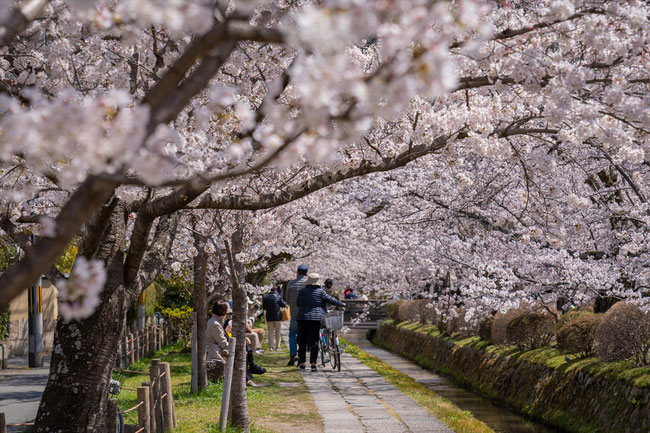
(571, 399)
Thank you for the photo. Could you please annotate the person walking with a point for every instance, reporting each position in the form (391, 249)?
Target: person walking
(293, 288)
(271, 304)
(311, 302)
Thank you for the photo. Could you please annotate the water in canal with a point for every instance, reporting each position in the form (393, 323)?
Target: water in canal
(499, 418)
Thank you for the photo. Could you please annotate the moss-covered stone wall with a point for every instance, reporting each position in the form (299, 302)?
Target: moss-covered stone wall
(572, 395)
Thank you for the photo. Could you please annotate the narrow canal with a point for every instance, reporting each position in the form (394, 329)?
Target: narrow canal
(499, 418)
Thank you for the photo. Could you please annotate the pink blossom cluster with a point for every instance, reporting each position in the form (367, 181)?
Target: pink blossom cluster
(79, 295)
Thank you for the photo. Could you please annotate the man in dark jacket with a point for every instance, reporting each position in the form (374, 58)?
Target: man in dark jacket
(293, 288)
(311, 302)
(272, 303)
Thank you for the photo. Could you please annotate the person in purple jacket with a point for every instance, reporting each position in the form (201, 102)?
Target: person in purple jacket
(311, 302)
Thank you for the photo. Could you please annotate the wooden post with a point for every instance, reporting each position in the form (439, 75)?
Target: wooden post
(160, 337)
(227, 384)
(125, 350)
(168, 400)
(138, 344)
(195, 357)
(3, 423)
(144, 411)
(145, 341)
(132, 350)
(111, 416)
(141, 352)
(152, 339)
(149, 339)
(152, 401)
(157, 412)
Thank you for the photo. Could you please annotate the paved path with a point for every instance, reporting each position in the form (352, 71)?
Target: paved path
(21, 389)
(358, 400)
(404, 365)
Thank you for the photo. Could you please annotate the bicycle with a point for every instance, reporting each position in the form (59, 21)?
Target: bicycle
(329, 339)
(114, 388)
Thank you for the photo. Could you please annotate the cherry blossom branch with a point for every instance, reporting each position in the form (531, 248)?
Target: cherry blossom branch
(91, 194)
(270, 200)
(93, 230)
(166, 101)
(511, 33)
(622, 171)
(157, 253)
(171, 93)
(15, 234)
(19, 17)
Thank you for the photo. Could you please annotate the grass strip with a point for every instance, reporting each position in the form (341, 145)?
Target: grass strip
(460, 421)
(281, 404)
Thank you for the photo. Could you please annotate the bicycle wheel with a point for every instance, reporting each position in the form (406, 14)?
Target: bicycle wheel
(333, 349)
(338, 357)
(321, 348)
(120, 423)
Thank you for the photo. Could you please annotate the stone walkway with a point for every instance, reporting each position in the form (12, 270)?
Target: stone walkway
(359, 400)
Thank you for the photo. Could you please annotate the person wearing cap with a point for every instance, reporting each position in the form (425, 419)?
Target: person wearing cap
(312, 301)
(293, 288)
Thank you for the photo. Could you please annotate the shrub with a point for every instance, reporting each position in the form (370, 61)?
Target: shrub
(181, 320)
(624, 333)
(412, 310)
(502, 319)
(457, 324)
(485, 328)
(428, 312)
(393, 309)
(5, 323)
(578, 335)
(500, 323)
(570, 316)
(531, 330)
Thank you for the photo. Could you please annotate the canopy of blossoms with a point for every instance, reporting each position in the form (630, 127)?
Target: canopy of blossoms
(512, 136)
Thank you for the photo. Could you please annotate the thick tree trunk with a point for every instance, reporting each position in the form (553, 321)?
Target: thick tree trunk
(75, 398)
(76, 395)
(238, 401)
(200, 307)
(238, 398)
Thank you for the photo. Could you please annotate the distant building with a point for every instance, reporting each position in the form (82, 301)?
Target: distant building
(18, 343)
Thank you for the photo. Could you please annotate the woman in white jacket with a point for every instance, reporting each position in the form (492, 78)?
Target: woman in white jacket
(217, 346)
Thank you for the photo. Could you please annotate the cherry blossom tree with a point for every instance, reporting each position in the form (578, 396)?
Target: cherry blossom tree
(505, 140)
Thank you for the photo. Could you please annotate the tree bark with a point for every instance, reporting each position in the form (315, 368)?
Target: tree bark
(76, 396)
(238, 400)
(200, 307)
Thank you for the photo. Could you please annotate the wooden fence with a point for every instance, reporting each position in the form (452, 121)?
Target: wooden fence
(142, 344)
(156, 412)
